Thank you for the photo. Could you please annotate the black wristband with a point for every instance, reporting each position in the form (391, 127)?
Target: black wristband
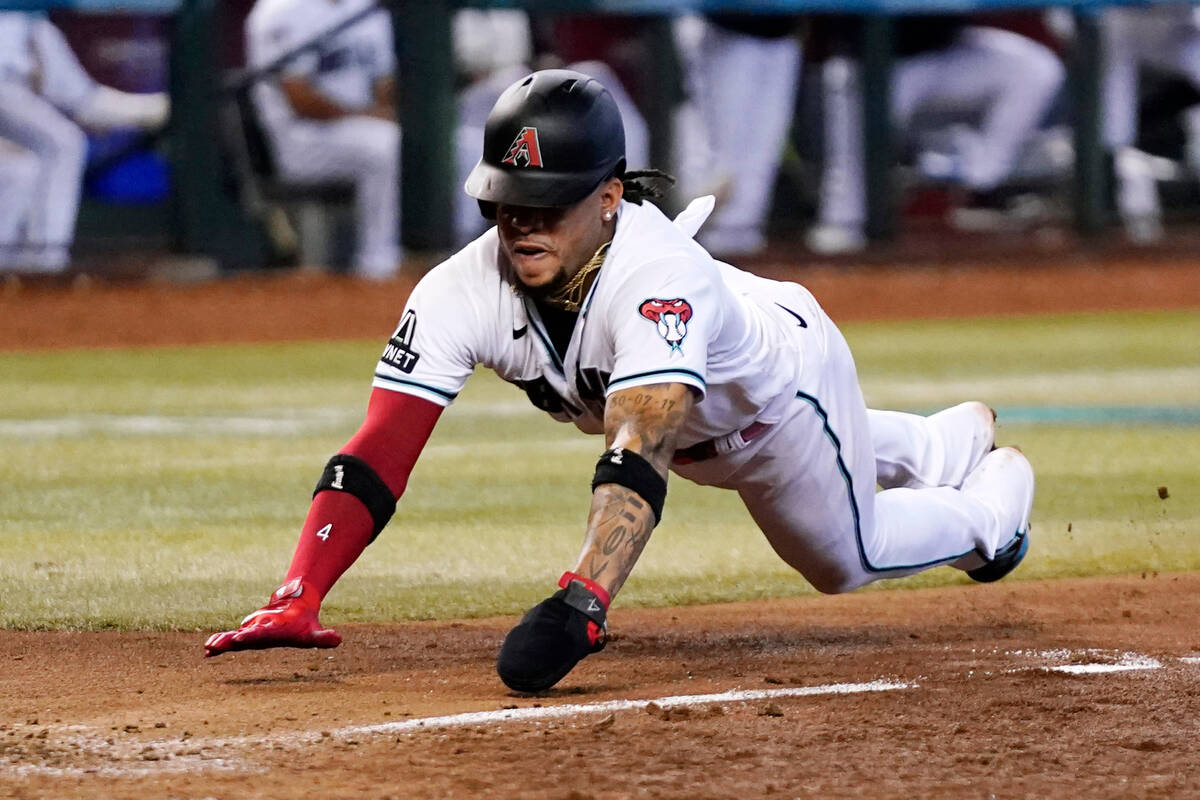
(354, 476)
(585, 601)
(629, 469)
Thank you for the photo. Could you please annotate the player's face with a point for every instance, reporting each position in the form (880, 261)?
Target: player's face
(546, 246)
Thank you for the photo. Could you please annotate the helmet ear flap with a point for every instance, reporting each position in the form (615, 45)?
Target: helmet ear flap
(488, 209)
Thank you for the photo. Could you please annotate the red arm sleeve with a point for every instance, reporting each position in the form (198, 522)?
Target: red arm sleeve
(338, 527)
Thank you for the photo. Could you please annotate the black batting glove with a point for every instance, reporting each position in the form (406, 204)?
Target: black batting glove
(554, 636)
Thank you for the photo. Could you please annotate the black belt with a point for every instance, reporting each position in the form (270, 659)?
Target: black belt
(702, 451)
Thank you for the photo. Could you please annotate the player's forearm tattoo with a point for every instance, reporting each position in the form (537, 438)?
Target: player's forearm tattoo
(646, 420)
(640, 402)
(618, 529)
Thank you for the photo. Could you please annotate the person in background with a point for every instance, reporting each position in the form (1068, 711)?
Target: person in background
(742, 72)
(47, 100)
(1167, 38)
(329, 110)
(995, 86)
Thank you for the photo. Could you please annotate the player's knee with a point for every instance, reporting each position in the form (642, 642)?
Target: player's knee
(70, 144)
(834, 578)
(833, 583)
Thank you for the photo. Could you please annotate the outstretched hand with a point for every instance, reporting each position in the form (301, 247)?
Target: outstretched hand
(288, 620)
(554, 636)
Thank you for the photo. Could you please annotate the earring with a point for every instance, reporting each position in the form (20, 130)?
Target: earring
(607, 215)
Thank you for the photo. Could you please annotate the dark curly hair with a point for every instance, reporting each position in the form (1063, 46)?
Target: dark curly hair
(645, 184)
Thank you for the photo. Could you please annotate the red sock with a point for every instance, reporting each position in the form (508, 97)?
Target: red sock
(339, 526)
(336, 532)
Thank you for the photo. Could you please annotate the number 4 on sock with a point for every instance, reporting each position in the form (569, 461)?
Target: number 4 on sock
(323, 534)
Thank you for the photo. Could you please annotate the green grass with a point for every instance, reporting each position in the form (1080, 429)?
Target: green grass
(163, 488)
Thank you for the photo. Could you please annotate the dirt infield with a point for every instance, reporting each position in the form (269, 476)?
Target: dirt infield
(1082, 688)
(308, 305)
(1021, 689)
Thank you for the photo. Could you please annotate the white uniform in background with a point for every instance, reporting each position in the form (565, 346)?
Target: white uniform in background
(779, 417)
(45, 96)
(1003, 80)
(1166, 37)
(743, 94)
(493, 48)
(19, 170)
(363, 150)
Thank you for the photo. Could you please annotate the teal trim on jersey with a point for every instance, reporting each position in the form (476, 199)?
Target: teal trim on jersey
(415, 385)
(684, 373)
(841, 464)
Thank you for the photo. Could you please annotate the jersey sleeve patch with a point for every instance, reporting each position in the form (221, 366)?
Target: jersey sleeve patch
(670, 317)
(399, 351)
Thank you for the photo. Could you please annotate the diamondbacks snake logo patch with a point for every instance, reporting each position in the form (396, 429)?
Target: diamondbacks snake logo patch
(671, 318)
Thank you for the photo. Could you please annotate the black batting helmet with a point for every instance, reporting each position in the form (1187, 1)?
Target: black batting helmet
(551, 138)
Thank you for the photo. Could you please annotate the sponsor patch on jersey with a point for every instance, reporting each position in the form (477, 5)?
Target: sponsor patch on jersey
(398, 352)
(525, 150)
(670, 317)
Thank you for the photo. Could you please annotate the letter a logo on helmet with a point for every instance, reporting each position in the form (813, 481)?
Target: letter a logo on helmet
(524, 151)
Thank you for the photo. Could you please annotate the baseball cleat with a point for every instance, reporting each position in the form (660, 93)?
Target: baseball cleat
(1004, 482)
(1005, 561)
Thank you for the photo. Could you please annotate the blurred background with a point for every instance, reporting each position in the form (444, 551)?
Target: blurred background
(203, 137)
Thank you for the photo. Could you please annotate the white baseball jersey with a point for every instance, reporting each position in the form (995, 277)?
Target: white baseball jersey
(660, 311)
(344, 67)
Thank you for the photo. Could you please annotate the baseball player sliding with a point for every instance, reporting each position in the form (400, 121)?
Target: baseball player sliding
(610, 316)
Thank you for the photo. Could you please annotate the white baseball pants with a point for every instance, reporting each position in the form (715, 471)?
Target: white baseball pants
(19, 170)
(746, 93)
(1167, 38)
(362, 150)
(809, 482)
(60, 148)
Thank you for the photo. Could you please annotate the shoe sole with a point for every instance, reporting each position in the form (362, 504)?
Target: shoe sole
(1008, 557)
(1004, 562)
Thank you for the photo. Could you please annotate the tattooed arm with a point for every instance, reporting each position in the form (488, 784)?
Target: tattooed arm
(644, 419)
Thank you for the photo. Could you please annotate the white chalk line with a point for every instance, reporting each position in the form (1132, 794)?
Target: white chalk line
(1104, 661)
(542, 713)
(176, 756)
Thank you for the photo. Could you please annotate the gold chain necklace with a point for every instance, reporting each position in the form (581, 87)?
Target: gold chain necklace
(570, 296)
